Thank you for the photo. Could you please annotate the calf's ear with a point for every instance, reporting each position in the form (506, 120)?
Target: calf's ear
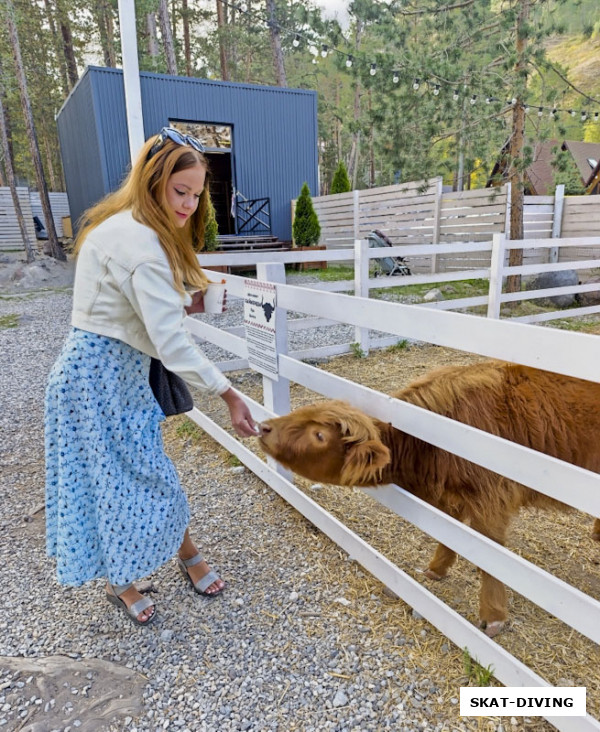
(364, 462)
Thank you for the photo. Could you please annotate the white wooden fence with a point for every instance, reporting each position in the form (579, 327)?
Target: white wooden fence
(10, 234)
(496, 273)
(562, 352)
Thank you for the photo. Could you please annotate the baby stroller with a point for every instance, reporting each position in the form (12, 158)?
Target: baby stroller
(386, 265)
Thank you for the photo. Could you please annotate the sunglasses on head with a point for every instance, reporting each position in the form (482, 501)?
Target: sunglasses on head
(170, 133)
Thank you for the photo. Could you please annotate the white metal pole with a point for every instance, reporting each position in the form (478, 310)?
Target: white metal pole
(131, 77)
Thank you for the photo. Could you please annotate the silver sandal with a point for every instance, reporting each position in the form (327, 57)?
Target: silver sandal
(204, 582)
(135, 609)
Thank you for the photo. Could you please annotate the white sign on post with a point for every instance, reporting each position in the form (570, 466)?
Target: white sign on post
(259, 321)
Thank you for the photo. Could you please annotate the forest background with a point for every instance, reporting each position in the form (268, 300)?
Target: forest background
(406, 90)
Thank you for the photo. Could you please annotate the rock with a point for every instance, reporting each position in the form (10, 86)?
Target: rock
(340, 699)
(547, 280)
(587, 299)
(433, 295)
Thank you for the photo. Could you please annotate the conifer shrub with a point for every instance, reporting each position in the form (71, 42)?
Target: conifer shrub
(306, 227)
(340, 182)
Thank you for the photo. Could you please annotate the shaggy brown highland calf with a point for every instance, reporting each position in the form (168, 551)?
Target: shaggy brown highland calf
(333, 442)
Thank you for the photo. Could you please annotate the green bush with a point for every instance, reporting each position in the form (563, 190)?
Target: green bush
(341, 182)
(306, 227)
(211, 232)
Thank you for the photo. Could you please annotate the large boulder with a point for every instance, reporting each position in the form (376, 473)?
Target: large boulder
(587, 299)
(547, 280)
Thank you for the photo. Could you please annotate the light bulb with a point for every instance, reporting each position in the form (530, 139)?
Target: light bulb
(473, 99)
(324, 51)
(436, 89)
(455, 96)
(373, 69)
(395, 78)
(243, 7)
(540, 111)
(583, 116)
(416, 84)
(349, 61)
(296, 41)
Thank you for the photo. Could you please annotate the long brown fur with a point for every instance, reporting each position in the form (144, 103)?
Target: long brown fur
(336, 443)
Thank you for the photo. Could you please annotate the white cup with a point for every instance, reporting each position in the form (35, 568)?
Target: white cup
(214, 297)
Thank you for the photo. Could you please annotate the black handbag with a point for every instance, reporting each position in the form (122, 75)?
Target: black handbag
(170, 390)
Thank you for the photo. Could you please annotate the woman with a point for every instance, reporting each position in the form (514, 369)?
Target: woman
(114, 504)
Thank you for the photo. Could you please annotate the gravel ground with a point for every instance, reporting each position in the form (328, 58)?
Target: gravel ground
(290, 645)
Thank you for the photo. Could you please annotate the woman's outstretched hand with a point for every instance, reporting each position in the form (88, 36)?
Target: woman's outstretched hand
(241, 419)
(197, 305)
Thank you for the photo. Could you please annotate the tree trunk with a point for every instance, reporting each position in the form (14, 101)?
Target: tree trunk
(276, 49)
(355, 148)
(60, 58)
(187, 51)
(103, 14)
(10, 175)
(67, 44)
(167, 37)
(221, 24)
(152, 39)
(517, 174)
(55, 248)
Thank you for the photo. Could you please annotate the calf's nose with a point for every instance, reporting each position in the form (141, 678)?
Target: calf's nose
(264, 428)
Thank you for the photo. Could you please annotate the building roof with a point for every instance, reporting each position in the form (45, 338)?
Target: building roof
(586, 156)
(540, 174)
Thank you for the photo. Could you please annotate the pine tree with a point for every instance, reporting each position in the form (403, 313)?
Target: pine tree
(341, 182)
(211, 232)
(306, 227)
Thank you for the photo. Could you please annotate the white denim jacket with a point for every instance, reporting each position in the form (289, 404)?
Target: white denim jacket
(124, 289)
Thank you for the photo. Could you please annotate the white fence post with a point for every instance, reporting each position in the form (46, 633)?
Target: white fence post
(437, 213)
(496, 272)
(508, 205)
(276, 394)
(356, 213)
(559, 202)
(361, 288)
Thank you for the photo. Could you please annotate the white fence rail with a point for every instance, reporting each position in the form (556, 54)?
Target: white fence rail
(363, 283)
(562, 352)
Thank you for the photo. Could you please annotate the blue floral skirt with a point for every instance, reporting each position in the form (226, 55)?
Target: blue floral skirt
(114, 504)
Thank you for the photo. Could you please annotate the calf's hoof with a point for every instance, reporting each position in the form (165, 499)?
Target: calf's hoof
(430, 574)
(492, 629)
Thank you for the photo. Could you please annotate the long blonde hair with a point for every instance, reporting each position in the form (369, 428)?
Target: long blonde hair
(144, 193)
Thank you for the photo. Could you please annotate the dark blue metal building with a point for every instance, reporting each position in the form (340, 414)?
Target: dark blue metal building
(261, 141)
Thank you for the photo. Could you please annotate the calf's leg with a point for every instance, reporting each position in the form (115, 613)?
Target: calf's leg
(596, 530)
(440, 563)
(493, 601)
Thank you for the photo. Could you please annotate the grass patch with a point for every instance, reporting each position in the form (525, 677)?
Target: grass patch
(186, 428)
(450, 290)
(397, 347)
(478, 674)
(9, 321)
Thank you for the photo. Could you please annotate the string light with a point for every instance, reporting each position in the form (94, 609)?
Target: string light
(350, 61)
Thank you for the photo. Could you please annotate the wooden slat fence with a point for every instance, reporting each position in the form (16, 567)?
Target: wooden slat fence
(563, 352)
(59, 203)
(420, 213)
(10, 234)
